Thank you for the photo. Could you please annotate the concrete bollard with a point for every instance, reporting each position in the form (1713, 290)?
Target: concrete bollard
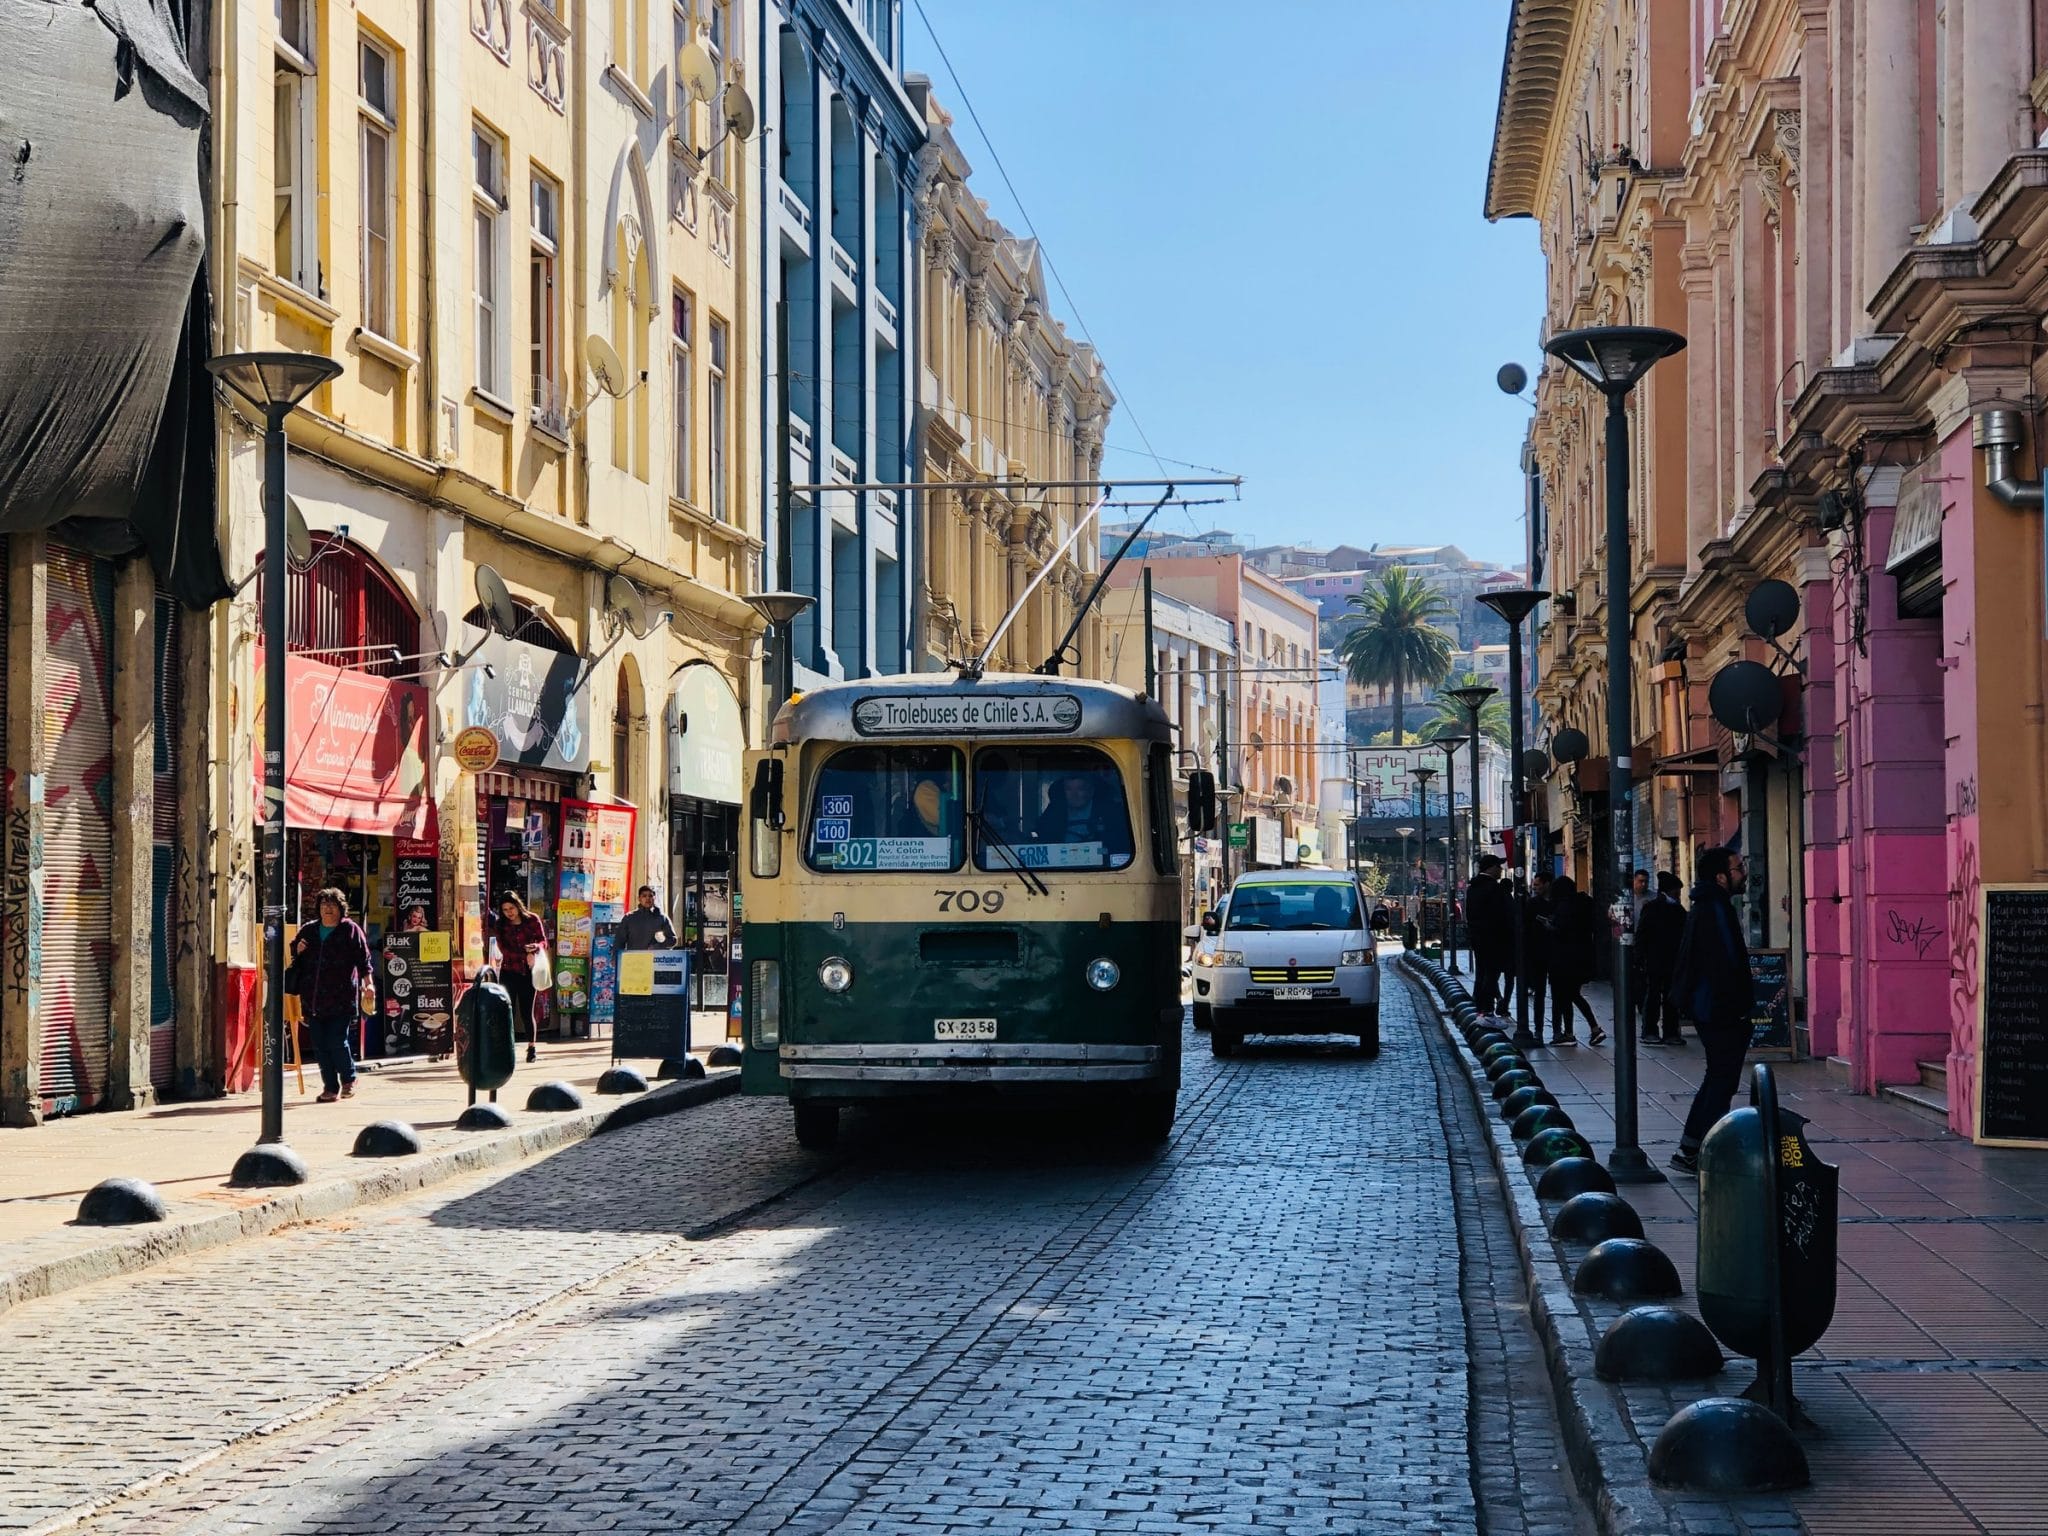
(1727, 1446)
(1595, 1216)
(268, 1165)
(122, 1203)
(1657, 1344)
(386, 1138)
(1554, 1145)
(621, 1080)
(484, 1117)
(1539, 1117)
(1627, 1269)
(554, 1098)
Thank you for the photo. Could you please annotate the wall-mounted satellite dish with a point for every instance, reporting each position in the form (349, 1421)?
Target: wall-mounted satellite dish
(606, 366)
(298, 538)
(1535, 763)
(1570, 746)
(1513, 378)
(737, 108)
(622, 599)
(1772, 609)
(501, 614)
(696, 72)
(1746, 697)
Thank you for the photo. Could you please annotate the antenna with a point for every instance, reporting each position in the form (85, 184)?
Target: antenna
(606, 366)
(622, 601)
(696, 72)
(501, 613)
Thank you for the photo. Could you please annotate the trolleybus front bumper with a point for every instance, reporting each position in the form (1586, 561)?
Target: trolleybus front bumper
(963, 1062)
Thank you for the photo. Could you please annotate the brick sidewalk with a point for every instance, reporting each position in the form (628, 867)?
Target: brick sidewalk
(1931, 1386)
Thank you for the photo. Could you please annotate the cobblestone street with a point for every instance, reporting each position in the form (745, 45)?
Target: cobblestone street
(978, 1324)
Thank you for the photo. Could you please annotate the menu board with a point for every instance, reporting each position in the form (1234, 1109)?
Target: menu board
(2012, 1017)
(419, 995)
(416, 883)
(1770, 1018)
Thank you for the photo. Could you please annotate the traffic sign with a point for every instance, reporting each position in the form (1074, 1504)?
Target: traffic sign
(1240, 834)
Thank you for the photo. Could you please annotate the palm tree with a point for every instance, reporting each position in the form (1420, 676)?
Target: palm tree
(1396, 641)
(1453, 719)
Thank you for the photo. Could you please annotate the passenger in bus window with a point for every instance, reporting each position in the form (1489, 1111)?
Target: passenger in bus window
(927, 814)
(1073, 812)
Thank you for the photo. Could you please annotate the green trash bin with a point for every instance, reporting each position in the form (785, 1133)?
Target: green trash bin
(485, 1047)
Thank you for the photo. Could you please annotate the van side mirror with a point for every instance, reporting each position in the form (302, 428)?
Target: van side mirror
(766, 801)
(1201, 801)
(1211, 922)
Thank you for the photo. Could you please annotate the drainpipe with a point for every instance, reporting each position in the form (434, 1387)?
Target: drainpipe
(1999, 434)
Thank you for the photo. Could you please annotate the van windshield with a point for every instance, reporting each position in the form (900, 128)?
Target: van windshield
(1293, 908)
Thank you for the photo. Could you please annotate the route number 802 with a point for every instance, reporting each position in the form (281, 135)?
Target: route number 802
(971, 901)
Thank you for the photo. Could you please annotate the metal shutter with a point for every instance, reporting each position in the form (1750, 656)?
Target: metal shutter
(163, 861)
(78, 833)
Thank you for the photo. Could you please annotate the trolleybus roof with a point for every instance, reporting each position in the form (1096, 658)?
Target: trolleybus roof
(995, 706)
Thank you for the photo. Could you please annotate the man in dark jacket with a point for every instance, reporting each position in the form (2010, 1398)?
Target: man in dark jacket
(331, 962)
(1711, 983)
(1659, 928)
(1490, 919)
(1536, 947)
(646, 926)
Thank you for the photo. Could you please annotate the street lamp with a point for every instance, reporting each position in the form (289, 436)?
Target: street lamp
(1474, 699)
(275, 383)
(781, 610)
(1614, 359)
(1450, 743)
(1407, 869)
(1422, 778)
(1514, 606)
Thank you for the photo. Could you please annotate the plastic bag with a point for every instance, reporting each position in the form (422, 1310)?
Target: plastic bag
(543, 971)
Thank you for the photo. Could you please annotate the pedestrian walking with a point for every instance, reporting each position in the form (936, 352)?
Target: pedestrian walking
(331, 967)
(1659, 929)
(521, 940)
(1536, 948)
(1711, 982)
(1639, 896)
(1574, 948)
(1490, 920)
(646, 926)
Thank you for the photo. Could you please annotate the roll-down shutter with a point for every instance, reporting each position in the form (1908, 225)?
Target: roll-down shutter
(163, 850)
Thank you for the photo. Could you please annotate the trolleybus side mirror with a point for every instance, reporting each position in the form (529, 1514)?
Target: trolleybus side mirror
(767, 797)
(1201, 801)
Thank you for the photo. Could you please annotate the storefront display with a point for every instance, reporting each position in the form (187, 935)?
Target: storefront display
(591, 895)
(707, 740)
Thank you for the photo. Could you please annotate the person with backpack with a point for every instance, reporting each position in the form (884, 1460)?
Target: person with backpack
(330, 967)
(1711, 983)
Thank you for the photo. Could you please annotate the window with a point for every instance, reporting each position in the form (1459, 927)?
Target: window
(377, 99)
(1295, 907)
(1050, 808)
(489, 256)
(717, 22)
(883, 809)
(629, 40)
(715, 393)
(294, 158)
(543, 305)
(680, 365)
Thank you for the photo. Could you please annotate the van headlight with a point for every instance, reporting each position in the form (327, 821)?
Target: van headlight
(1228, 958)
(1358, 957)
(1102, 973)
(835, 974)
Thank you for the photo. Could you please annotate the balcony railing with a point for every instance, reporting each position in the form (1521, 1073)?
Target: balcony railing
(845, 263)
(794, 207)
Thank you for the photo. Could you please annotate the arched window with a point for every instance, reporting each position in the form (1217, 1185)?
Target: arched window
(534, 627)
(345, 609)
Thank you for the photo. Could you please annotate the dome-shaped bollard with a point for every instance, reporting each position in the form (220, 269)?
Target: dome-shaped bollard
(1657, 1344)
(483, 1117)
(1485, 1038)
(1523, 1098)
(554, 1098)
(386, 1138)
(1627, 1269)
(268, 1165)
(1593, 1217)
(621, 1080)
(1508, 1082)
(1500, 1065)
(1497, 1050)
(724, 1056)
(1539, 1117)
(1553, 1145)
(1727, 1446)
(1570, 1176)
(122, 1203)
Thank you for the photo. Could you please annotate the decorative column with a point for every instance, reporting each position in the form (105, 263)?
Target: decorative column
(1887, 143)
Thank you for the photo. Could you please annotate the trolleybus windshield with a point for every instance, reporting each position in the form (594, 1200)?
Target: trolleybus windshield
(883, 809)
(1057, 807)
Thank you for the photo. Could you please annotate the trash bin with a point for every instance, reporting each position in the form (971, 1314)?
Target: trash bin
(485, 1049)
(1767, 1241)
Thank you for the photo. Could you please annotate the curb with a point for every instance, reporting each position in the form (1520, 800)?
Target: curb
(153, 1245)
(1609, 1463)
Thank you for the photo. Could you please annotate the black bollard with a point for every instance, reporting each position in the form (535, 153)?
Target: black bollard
(1657, 1344)
(1570, 1176)
(724, 1056)
(1547, 1147)
(554, 1098)
(268, 1165)
(1595, 1216)
(1539, 1117)
(386, 1138)
(1522, 1098)
(122, 1203)
(1508, 1082)
(1627, 1269)
(1727, 1446)
(483, 1117)
(621, 1080)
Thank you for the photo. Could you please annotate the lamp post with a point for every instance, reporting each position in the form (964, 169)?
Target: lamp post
(1422, 778)
(1474, 699)
(781, 610)
(1407, 869)
(1614, 359)
(274, 383)
(1450, 744)
(1514, 606)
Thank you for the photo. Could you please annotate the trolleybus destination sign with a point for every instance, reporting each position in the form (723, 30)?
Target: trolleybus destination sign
(1008, 714)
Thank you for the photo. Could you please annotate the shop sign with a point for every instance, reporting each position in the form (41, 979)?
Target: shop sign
(1266, 840)
(416, 883)
(533, 701)
(419, 995)
(1916, 526)
(967, 714)
(706, 737)
(475, 749)
(355, 751)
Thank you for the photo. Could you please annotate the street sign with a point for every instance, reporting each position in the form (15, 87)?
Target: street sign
(1240, 834)
(476, 749)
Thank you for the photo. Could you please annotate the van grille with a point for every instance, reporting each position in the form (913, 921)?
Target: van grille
(1276, 975)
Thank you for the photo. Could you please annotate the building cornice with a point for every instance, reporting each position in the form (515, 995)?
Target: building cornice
(1540, 47)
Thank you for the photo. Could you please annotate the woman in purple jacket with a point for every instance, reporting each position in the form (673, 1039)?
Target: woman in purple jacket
(331, 963)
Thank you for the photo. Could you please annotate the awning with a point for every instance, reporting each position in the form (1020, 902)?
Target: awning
(520, 786)
(1697, 760)
(355, 755)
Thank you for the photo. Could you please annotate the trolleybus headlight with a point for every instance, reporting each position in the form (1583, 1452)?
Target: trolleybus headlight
(835, 975)
(1102, 973)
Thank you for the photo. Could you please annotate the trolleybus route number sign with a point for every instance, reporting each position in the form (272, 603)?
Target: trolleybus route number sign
(971, 901)
(982, 713)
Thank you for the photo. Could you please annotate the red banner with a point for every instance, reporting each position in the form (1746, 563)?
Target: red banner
(355, 756)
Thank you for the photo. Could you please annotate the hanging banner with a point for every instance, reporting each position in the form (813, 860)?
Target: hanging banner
(355, 755)
(532, 699)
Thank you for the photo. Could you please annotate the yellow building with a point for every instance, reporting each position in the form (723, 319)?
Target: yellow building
(1004, 393)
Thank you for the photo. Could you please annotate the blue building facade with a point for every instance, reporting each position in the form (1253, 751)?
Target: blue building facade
(839, 168)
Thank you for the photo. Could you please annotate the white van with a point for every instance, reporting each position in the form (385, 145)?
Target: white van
(1292, 955)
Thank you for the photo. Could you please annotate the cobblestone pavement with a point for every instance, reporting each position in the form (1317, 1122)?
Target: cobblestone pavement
(985, 1324)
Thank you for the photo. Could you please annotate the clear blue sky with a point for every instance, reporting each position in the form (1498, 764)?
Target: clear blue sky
(1269, 217)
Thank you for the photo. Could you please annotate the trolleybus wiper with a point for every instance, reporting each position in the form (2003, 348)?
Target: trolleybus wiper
(1033, 883)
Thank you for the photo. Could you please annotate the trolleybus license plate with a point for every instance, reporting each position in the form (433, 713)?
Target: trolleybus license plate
(1293, 994)
(963, 1029)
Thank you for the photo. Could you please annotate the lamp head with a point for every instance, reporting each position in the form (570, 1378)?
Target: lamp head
(273, 380)
(1513, 603)
(1613, 357)
(779, 608)
(1473, 697)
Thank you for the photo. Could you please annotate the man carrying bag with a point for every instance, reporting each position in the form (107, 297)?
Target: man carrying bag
(1711, 983)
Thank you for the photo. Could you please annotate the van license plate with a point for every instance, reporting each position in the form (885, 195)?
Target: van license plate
(969, 1029)
(1293, 994)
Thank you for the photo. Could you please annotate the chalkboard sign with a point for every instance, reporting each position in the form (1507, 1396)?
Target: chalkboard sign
(651, 1015)
(2012, 1017)
(1770, 1019)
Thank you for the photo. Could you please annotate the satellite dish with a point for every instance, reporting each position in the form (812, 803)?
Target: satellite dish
(737, 108)
(298, 538)
(501, 614)
(606, 365)
(696, 72)
(1513, 378)
(623, 598)
(1535, 763)
(1570, 746)
(1745, 697)
(1772, 609)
